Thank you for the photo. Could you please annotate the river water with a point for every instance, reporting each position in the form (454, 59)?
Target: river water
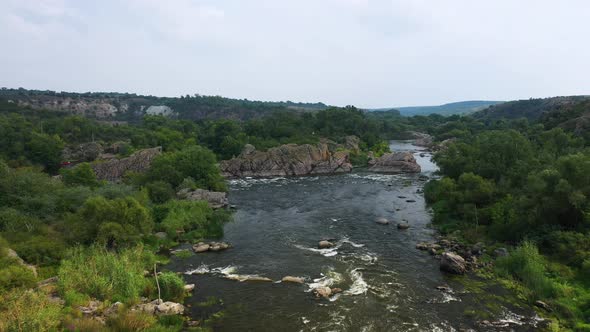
(387, 284)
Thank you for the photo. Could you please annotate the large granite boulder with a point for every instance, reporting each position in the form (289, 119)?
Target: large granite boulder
(452, 263)
(396, 162)
(115, 169)
(215, 199)
(287, 160)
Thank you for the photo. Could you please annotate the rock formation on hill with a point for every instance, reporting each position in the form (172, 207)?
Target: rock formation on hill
(326, 157)
(115, 169)
(397, 162)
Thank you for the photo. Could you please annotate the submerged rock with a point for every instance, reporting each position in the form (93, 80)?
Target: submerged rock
(397, 162)
(452, 263)
(211, 246)
(325, 244)
(297, 280)
(403, 226)
(382, 221)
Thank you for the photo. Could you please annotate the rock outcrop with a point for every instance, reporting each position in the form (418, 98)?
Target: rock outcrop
(287, 160)
(396, 162)
(215, 199)
(115, 169)
(420, 139)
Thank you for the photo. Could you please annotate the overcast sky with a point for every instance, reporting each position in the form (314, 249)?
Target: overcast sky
(368, 53)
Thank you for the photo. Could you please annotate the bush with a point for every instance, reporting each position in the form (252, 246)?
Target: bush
(196, 162)
(29, 311)
(171, 286)
(160, 191)
(118, 222)
(193, 218)
(528, 266)
(80, 175)
(105, 275)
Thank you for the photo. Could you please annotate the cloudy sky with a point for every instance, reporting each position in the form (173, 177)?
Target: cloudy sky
(368, 53)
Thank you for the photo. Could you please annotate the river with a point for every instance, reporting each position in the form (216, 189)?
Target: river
(387, 284)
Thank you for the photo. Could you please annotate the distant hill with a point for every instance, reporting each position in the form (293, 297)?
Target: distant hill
(462, 107)
(571, 113)
(128, 106)
(532, 109)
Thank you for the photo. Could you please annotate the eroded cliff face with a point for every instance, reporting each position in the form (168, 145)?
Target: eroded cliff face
(115, 169)
(100, 108)
(287, 160)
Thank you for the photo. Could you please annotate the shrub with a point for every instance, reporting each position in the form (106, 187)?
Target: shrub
(194, 218)
(171, 286)
(132, 218)
(81, 175)
(527, 265)
(160, 191)
(105, 275)
(28, 311)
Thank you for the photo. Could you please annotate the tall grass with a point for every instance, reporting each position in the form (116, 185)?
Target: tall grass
(28, 311)
(105, 275)
(527, 265)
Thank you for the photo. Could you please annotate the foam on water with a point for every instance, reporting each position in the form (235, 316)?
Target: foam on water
(359, 285)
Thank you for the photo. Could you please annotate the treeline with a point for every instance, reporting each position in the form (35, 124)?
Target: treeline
(526, 185)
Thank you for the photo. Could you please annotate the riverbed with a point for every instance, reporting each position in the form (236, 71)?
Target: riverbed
(387, 284)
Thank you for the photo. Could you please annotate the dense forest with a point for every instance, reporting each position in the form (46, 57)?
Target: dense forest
(524, 185)
(516, 183)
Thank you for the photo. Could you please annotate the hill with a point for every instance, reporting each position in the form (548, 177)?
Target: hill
(462, 107)
(128, 106)
(531, 109)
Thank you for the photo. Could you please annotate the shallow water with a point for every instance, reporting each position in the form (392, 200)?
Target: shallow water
(387, 284)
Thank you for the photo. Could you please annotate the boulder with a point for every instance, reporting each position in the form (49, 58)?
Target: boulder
(91, 308)
(287, 160)
(397, 162)
(403, 226)
(325, 244)
(452, 263)
(543, 305)
(501, 252)
(114, 169)
(161, 235)
(189, 287)
(168, 308)
(215, 199)
(201, 247)
(297, 280)
(322, 291)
